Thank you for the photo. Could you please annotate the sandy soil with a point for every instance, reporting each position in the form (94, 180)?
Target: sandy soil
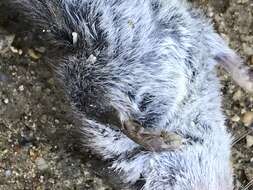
(36, 152)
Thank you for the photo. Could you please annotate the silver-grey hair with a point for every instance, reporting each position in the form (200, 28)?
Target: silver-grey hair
(151, 62)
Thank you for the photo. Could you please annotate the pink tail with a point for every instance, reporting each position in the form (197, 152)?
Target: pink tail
(240, 73)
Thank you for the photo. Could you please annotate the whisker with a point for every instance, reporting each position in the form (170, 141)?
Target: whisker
(241, 137)
(248, 185)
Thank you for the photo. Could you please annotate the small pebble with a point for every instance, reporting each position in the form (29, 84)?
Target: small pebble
(237, 95)
(249, 140)
(13, 49)
(41, 179)
(21, 88)
(235, 118)
(247, 119)
(6, 100)
(16, 51)
(56, 121)
(8, 173)
(43, 119)
(41, 163)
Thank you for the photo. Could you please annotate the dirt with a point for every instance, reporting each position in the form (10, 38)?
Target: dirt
(36, 152)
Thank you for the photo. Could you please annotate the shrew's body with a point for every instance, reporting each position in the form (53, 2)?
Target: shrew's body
(151, 62)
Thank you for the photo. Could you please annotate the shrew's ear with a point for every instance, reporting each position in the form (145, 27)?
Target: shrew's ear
(152, 139)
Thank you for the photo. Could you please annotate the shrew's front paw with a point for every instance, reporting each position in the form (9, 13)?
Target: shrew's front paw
(152, 139)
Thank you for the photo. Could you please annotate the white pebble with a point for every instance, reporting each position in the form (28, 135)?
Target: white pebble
(6, 100)
(21, 88)
(249, 140)
(41, 164)
(8, 173)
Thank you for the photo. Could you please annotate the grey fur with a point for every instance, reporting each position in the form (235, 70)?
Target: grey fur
(154, 63)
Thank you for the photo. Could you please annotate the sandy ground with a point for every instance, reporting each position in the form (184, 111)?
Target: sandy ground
(36, 152)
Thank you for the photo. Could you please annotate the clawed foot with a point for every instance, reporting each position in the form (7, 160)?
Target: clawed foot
(152, 139)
